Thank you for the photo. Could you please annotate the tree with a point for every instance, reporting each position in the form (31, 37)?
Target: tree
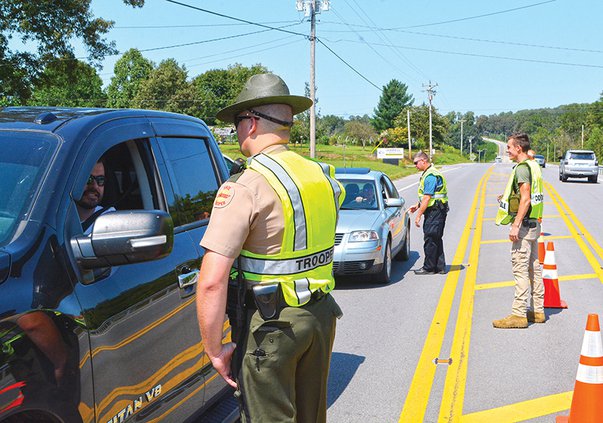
(419, 126)
(68, 82)
(129, 72)
(52, 26)
(165, 89)
(393, 100)
(217, 88)
(360, 131)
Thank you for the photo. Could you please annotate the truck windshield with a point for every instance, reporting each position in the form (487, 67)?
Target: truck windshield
(23, 161)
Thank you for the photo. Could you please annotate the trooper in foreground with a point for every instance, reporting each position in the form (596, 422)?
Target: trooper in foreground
(521, 206)
(278, 217)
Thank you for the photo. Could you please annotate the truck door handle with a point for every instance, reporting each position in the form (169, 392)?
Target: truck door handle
(188, 277)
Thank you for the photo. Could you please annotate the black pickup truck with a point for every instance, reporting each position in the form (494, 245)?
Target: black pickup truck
(101, 326)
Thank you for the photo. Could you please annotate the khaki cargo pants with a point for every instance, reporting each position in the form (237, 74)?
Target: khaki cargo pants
(527, 271)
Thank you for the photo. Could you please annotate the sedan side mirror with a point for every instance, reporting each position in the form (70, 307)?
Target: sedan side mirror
(394, 202)
(124, 237)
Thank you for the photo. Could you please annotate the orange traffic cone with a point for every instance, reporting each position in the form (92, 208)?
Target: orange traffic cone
(541, 249)
(552, 297)
(587, 401)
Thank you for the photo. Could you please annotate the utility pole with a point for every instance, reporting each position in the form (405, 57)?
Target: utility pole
(408, 126)
(582, 137)
(461, 120)
(470, 147)
(310, 9)
(430, 93)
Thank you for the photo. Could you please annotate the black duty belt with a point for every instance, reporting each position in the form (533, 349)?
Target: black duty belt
(529, 223)
(250, 302)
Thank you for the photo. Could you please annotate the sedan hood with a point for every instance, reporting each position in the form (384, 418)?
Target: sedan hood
(354, 220)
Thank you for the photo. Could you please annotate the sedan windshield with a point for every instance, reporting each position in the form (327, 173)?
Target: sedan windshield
(359, 195)
(24, 159)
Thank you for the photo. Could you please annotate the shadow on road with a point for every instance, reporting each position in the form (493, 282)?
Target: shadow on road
(343, 368)
(399, 270)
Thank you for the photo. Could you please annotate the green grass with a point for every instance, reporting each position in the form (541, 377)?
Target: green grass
(357, 156)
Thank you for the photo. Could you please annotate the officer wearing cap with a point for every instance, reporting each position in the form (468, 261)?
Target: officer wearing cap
(278, 217)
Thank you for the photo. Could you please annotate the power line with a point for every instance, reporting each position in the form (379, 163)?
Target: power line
(550, 62)
(196, 25)
(454, 37)
(235, 19)
(348, 65)
(479, 16)
(204, 41)
(388, 41)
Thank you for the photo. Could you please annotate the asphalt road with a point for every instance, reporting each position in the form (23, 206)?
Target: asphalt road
(383, 359)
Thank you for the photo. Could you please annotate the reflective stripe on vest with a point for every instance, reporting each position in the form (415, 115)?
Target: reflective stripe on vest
(263, 266)
(299, 217)
(503, 216)
(441, 194)
(304, 263)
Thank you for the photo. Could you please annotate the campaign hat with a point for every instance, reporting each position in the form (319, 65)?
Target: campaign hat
(261, 89)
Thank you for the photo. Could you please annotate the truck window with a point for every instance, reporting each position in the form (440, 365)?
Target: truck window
(193, 177)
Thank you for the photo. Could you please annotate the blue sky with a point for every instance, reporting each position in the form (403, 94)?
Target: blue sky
(487, 57)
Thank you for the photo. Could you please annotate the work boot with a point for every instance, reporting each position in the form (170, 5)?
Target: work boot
(535, 317)
(510, 322)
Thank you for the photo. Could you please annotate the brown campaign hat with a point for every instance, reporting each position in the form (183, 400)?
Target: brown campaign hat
(265, 88)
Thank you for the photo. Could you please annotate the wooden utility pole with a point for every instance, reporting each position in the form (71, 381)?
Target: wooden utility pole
(430, 93)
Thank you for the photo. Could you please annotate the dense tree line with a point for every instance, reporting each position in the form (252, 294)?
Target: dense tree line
(51, 75)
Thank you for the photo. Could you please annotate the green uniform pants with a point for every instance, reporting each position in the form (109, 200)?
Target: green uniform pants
(286, 364)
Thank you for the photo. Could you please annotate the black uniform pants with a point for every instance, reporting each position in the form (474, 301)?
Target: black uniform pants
(433, 231)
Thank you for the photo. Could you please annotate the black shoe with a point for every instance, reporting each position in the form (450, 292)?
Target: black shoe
(422, 271)
(442, 272)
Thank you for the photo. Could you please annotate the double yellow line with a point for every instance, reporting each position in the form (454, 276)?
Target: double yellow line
(420, 388)
(451, 405)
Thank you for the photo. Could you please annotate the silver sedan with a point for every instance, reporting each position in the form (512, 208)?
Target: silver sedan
(373, 226)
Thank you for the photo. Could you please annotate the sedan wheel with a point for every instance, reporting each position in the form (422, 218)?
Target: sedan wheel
(385, 276)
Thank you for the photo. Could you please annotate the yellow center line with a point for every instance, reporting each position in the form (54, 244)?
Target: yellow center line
(565, 212)
(422, 381)
(522, 411)
(492, 285)
(451, 407)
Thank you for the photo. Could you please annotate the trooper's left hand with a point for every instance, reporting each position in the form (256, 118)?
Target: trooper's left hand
(222, 362)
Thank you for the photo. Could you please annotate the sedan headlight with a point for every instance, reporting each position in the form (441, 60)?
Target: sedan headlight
(360, 236)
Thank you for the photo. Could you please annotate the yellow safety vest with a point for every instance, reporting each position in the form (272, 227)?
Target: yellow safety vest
(506, 213)
(441, 194)
(311, 197)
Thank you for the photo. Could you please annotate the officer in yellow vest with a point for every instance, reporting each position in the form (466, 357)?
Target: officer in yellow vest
(433, 204)
(521, 206)
(278, 217)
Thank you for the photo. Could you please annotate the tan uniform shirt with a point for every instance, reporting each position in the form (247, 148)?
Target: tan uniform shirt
(247, 214)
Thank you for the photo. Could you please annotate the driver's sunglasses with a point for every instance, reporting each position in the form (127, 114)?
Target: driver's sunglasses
(417, 161)
(100, 180)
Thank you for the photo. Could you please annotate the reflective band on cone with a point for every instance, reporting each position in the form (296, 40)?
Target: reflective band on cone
(587, 401)
(550, 279)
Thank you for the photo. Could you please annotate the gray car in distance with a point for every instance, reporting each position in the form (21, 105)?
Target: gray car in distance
(373, 226)
(579, 164)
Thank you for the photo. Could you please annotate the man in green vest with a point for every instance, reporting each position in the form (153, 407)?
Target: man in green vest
(433, 204)
(278, 217)
(521, 206)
